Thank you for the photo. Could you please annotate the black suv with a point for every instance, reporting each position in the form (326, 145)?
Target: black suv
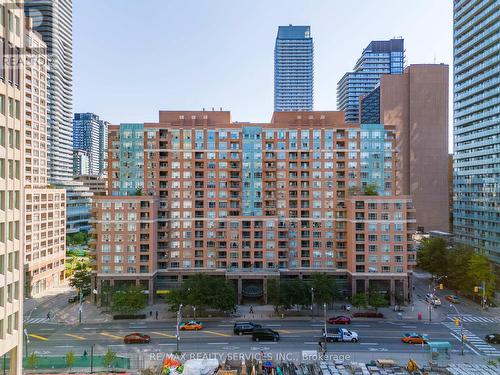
(243, 328)
(265, 334)
(493, 338)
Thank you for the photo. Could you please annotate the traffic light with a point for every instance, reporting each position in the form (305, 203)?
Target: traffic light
(476, 289)
(441, 286)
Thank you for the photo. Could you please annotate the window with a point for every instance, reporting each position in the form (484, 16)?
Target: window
(11, 107)
(2, 99)
(18, 109)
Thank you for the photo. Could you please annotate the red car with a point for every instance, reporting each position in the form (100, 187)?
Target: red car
(339, 320)
(136, 338)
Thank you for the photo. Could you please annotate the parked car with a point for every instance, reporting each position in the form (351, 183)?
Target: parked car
(493, 338)
(452, 298)
(339, 334)
(244, 328)
(368, 314)
(265, 334)
(414, 338)
(74, 298)
(339, 320)
(136, 338)
(434, 300)
(192, 325)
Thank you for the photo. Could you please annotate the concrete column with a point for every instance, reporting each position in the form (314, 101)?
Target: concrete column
(392, 291)
(367, 285)
(151, 295)
(240, 290)
(264, 289)
(406, 292)
(353, 286)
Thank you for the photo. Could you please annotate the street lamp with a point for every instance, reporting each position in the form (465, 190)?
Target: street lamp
(312, 303)
(178, 334)
(194, 312)
(26, 342)
(92, 358)
(461, 326)
(435, 280)
(324, 312)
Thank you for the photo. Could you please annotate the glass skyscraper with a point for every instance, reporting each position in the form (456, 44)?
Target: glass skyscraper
(476, 203)
(91, 135)
(379, 57)
(293, 69)
(53, 19)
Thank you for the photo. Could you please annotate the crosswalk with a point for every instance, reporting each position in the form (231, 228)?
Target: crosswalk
(476, 319)
(38, 321)
(473, 340)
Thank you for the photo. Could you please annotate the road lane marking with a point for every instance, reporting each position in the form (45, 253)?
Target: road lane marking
(310, 343)
(75, 336)
(284, 331)
(217, 343)
(63, 346)
(409, 326)
(46, 329)
(273, 325)
(224, 325)
(119, 345)
(368, 343)
(110, 335)
(217, 333)
(38, 337)
(361, 325)
(317, 325)
(164, 334)
(165, 344)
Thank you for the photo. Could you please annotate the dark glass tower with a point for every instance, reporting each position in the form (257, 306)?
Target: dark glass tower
(379, 57)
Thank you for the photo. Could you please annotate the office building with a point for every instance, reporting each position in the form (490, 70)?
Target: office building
(97, 185)
(103, 147)
(476, 208)
(11, 184)
(53, 20)
(78, 206)
(379, 57)
(87, 137)
(416, 103)
(293, 69)
(45, 220)
(196, 192)
(81, 162)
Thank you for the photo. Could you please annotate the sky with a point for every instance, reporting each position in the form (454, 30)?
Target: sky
(134, 58)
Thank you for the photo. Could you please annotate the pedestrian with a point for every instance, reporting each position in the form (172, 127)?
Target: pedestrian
(156, 314)
(150, 312)
(85, 354)
(48, 315)
(251, 309)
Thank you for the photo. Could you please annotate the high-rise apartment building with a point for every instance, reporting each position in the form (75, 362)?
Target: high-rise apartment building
(293, 69)
(416, 103)
(379, 57)
(81, 163)
(53, 19)
(11, 182)
(103, 147)
(86, 136)
(45, 224)
(196, 192)
(476, 208)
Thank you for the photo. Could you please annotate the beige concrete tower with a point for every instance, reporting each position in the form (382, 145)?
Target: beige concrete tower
(416, 102)
(11, 182)
(45, 206)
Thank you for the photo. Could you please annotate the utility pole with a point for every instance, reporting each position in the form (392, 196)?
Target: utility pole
(324, 313)
(312, 303)
(178, 333)
(483, 300)
(26, 342)
(92, 358)
(461, 327)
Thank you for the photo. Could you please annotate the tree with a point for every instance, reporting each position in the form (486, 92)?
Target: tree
(109, 358)
(375, 299)
(296, 292)
(359, 300)
(75, 263)
(81, 280)
(433, 256)
(370, 189)
(202, 290)
(480, 270)
(32, 360)
(458, 263)
(80, 238)
(70, 359)
(128, 301)
(325, 288)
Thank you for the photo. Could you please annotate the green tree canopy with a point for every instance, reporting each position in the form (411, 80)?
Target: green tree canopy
(325, 288)
(375, 299)
(109, 358)
(81, 280)
(359, 300)
(129, 300)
